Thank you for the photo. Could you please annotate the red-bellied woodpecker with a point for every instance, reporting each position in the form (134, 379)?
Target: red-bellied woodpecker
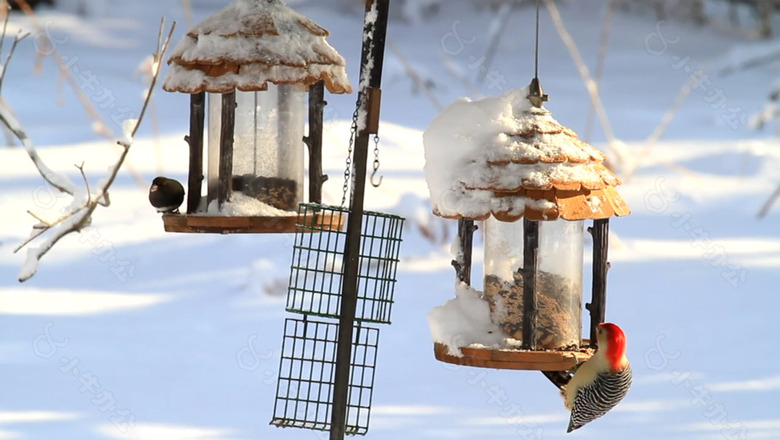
(602, 381)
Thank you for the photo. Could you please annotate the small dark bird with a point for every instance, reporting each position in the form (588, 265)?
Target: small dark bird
(166, 195)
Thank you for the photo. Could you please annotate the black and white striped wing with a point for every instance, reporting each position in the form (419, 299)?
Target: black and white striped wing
(598, 398)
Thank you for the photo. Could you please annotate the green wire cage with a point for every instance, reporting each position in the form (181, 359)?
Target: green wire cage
(307, 369)
(316, 270)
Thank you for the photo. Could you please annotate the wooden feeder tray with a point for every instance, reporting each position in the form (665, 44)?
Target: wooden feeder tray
(514, 359)
(251, 225)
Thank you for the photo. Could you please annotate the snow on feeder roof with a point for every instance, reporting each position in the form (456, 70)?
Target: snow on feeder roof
(507, 158)
(250, 43)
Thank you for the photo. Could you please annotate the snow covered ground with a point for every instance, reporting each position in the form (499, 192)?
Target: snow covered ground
(164, 342)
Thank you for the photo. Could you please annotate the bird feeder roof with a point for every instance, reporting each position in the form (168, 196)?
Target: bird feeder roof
(506, 158)
(251, 43)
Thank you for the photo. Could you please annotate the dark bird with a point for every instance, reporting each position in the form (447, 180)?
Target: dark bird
(166, 194)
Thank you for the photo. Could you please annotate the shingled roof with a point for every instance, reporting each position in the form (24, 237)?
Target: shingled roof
(529, 165)
(251, 43)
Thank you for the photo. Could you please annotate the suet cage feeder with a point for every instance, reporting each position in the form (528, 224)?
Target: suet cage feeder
(308, 359)
(247, 70)
(536, 188)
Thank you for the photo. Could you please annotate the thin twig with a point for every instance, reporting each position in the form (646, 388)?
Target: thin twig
(159, 54)
(59, 181)
(37, 231)
(600, 61)
(412, 73)
(497, 29)
(590, 85)
(659, 130)
(86, 181)
(447, 62)
(101, 127)
(768, 204)
(187, 13)
(6, 17)
(19, 37)
(39, 218)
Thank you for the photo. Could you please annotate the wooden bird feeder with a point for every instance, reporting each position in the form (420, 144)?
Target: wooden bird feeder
(534, 183)
(251, 65)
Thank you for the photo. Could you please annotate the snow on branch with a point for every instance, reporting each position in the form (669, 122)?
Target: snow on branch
(78, 214)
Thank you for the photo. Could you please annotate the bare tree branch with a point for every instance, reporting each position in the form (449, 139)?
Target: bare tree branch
(496, 31)
(415, 77)
(79, 214)
(59, 181)
(86, 181)
(19, 37)
(590, 84)
(599, 73)
(768, 204)
(655, 136)
(6, 17)
(99, 125)
(450, 66)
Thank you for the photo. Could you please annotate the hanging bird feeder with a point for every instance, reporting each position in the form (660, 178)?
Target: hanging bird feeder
(506, 161)
(251, 65)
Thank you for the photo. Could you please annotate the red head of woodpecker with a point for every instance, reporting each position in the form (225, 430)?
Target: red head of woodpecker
(602, 381)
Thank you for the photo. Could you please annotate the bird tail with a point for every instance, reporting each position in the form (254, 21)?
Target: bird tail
(572, 426)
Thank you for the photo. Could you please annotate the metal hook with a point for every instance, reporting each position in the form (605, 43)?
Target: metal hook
(373, 176)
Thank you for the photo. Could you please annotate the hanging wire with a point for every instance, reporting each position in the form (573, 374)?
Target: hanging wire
(536, 55)
(536, 94)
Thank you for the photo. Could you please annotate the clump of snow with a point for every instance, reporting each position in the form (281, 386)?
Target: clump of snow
(128, 126)
(255, 42)
(474, 148)
(241, 205)
(30, 265)
(463, 321)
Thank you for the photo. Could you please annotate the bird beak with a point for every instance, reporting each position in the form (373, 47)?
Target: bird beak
(153, 188)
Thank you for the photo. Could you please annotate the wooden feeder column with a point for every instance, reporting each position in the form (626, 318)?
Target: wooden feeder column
(530, 266)
(228, 123)
(598, 304)
(313, 141)
(195, 141)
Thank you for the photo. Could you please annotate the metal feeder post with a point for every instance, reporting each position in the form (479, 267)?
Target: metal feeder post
(371, 77)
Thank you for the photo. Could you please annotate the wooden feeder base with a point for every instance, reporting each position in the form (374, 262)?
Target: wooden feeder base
(512, 359)
(251, 225)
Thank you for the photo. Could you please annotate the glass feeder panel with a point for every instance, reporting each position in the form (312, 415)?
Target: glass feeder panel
(212, 158)
(559, 283)
(268, 149)
(503, 285)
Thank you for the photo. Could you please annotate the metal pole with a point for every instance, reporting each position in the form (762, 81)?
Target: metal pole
(598, 303)
(374, 31)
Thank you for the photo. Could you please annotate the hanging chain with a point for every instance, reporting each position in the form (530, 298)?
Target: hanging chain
(348, 169)
(376, 163)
